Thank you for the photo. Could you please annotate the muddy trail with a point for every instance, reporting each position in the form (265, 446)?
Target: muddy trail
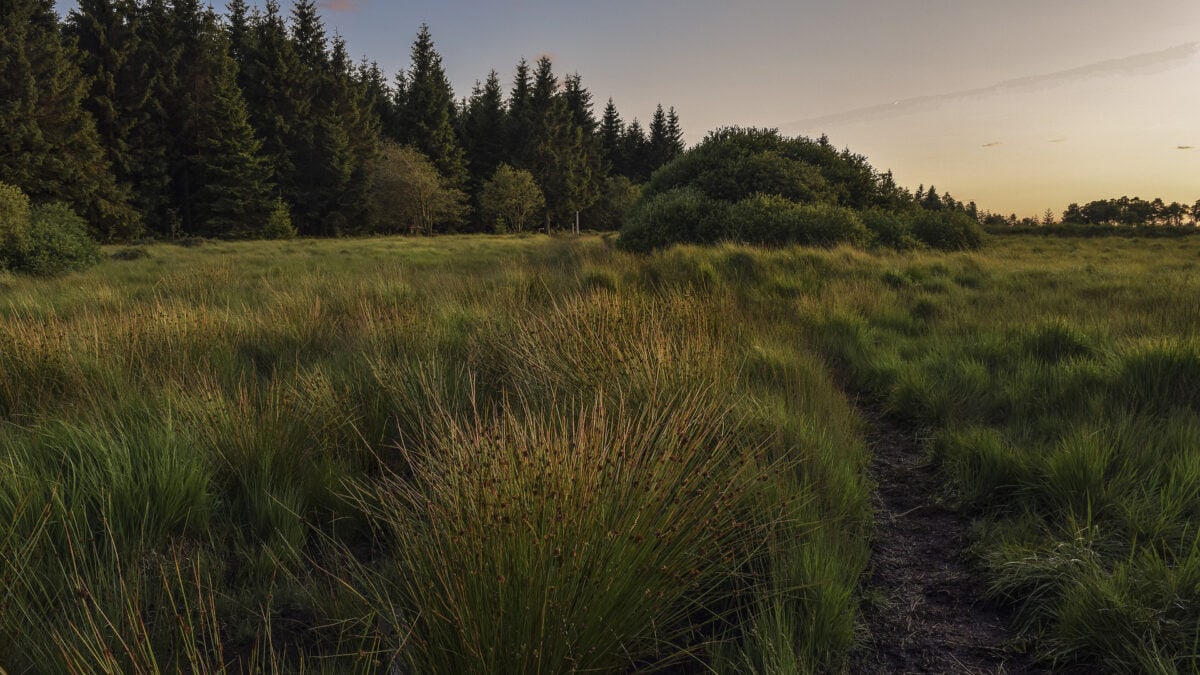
(926, 612)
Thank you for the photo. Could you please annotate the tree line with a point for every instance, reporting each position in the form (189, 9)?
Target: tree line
(1134, 212)
(163, 117)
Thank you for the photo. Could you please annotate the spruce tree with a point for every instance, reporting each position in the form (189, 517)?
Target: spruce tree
(49, 146)
(635, 153)
(520, 118)
(308, 36)
(612, 129)
(378, 94)
(394, 129)
(240, 34)
(579, 103)
(350, 110)
(155, 139)
(485, 130)
(236, 197)
(277, 97)
(565, 160)
(660, 149)
(675, 143)
(428, 111)
(220, 184)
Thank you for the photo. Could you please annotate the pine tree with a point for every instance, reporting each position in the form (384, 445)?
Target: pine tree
(239, 32)
(308, 37)
(49, 146)
(579, 103)
(220, 184)
(351, 111)
(564, 163)
(612, 130)
(634, 153)
(931, 201)
(674, 135)
(660, 151)
(520, 118)
(115, 57)
(378, 94)
(485, 126)
(236, 197)
(276, 95)
(394, 128)
(428, 111)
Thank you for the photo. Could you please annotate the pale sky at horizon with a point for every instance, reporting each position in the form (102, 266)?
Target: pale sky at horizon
(1101, 124)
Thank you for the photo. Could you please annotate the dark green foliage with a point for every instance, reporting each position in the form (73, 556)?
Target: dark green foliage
(776, 221)
(1132, 212)
(617, 195)
(892, 229)
(45, 240)
(48, 143)
(14, 225)
(734, 163)
(947, 230)
(729, 174)
(1157, 378)
(631, 161)
(220, 184)
(520, 125)
(485, 125)
(429, 101)
(235, 197)
(787, 191)
(111, 36)
(1056, 342)
(58, 242)
(611, 134)
(684, 214)
(279, 223)
(276, 94)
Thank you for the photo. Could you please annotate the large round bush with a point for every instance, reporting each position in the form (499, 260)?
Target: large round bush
(947, 230)
(681, 215)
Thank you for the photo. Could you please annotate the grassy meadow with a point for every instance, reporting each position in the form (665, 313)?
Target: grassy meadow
(532, 454)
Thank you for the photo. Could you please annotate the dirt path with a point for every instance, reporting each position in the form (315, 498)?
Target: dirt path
(927, 616)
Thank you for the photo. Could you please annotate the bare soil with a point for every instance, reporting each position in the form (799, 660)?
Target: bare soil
(924, 609)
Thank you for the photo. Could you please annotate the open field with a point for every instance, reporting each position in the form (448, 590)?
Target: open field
(504, 454)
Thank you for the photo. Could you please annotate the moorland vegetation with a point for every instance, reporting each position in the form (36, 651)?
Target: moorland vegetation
(515, 453)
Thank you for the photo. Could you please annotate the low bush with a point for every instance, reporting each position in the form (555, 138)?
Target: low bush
(890, 228)
(58, 242)
(947, 230)
(44, 240)
(14, 224)
(680, 215)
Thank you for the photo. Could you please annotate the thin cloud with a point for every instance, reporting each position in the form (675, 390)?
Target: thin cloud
(1165, 59)
(343, 5)
(991, 145)
(1057, 140)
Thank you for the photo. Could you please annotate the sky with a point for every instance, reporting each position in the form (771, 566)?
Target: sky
(1019, 105)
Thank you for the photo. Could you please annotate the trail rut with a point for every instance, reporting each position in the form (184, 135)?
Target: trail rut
(926, 612)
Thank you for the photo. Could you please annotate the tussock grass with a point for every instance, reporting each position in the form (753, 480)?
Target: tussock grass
(1057, 383)
(453, 455)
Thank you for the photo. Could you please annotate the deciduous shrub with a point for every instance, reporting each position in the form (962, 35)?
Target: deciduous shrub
(947, 230)
(773, 220)
(681, 215)
(44, 240)
(14, 223)
(58, 242)
(890, 228)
